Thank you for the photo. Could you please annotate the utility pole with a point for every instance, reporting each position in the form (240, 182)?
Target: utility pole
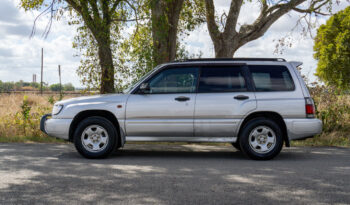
(42, 69)
(59, 75)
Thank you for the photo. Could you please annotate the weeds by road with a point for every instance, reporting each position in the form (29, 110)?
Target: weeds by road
(20, 117)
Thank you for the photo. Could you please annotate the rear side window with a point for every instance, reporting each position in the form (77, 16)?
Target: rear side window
(271, 78)
(222, 79)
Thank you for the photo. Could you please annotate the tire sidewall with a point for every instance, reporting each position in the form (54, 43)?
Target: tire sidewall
(244, 139)
(107, 125)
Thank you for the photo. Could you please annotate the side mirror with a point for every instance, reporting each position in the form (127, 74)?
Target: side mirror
(144, 88)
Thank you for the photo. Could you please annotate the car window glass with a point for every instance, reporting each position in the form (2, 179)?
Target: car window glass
(222, 79)
(271, 78)
(174, 80)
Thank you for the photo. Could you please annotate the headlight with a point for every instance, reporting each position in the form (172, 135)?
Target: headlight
(56, 109)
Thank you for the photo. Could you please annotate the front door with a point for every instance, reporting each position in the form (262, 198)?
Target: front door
(223, 99)
(167, 109)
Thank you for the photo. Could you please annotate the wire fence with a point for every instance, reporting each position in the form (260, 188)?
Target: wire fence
(37, 92)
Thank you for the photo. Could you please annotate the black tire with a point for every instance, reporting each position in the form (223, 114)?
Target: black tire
(236, 145)
(98, 121)
(249, 127)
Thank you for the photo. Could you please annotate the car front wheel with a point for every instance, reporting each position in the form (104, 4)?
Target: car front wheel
(261, 139)
(95, 137)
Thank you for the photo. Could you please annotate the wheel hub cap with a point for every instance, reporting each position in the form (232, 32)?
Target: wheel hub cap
(262, 139)
(94, 138)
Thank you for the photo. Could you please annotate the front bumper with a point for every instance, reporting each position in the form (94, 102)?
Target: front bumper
(303, 128)
(58, 128)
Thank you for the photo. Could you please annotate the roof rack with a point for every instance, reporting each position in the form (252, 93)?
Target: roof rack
(232, 59)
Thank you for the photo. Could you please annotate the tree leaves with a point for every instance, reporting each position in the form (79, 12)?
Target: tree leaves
(332, 50)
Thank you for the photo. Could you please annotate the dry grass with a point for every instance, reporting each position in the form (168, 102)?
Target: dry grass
(334, 138)
(14, 127)
(10, 104)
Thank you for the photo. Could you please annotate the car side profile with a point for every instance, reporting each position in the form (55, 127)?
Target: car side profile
(256, 104)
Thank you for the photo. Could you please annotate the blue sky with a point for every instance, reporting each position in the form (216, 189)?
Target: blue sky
(20, 55)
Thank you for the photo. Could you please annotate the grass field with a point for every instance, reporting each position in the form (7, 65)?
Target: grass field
(20, 116)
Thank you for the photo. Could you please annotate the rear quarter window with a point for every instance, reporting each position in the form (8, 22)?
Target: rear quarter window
(269, 78)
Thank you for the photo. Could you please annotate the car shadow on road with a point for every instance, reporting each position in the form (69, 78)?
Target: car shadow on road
(184, 154)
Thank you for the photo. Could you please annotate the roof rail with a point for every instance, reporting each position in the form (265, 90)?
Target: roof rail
(232, 59)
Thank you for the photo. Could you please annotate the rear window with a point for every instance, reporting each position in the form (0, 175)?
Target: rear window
(221, 79)
(271, 78)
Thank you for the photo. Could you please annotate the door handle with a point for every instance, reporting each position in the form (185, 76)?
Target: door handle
(182, 98)
(241, 97)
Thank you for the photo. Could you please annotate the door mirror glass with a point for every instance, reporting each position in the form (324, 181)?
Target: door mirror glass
(144, 88)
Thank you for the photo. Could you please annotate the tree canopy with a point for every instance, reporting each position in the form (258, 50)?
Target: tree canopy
(120, 40)
(100, 18)
(332, 50)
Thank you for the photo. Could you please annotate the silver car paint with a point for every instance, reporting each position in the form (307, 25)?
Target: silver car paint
(72, 107)
(215, 117)
(171, 117)
(218, 114)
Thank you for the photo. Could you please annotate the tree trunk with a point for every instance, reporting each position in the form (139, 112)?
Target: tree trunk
(165, 18)
(159, 33)
(107, 68)
(225, 48)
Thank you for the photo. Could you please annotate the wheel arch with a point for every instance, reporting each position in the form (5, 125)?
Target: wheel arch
(270, 115)
(89, 113)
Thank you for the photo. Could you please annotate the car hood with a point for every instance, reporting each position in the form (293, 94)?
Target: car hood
(94, 99)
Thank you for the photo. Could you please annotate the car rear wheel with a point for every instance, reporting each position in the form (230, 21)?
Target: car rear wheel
(261, 139)
(95, 137)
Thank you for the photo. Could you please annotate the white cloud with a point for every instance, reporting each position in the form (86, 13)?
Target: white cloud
(20, 56)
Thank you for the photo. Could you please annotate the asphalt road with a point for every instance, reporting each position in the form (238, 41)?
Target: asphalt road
(176, 174)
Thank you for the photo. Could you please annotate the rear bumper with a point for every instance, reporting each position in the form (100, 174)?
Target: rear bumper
(58, 128)
(303, 128)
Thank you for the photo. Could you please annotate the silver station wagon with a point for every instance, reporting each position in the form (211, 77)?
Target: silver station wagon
(256, 104)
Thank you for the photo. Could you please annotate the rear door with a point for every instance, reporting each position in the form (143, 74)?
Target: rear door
(224, 97)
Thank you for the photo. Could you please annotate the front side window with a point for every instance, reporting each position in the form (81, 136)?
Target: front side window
(222, 79)
(271, 78)
(174, 80)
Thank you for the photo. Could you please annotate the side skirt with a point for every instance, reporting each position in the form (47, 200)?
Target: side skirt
(179, 139)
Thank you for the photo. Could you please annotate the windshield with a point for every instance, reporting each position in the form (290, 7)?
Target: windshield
(133, 85)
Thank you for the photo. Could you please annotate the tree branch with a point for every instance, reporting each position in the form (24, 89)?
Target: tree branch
(114, 6)
(266, 18)
(136, 16)
(210, 16)
(106, 13)
(95, 12)
(83, 10)
(232, 17)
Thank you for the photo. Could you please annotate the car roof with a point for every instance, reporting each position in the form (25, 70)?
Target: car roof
(236, 61)
(230, 59)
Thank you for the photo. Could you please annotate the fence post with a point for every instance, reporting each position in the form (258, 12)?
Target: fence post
(42, 68)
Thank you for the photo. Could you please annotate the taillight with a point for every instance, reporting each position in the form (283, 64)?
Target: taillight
(309, 108)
